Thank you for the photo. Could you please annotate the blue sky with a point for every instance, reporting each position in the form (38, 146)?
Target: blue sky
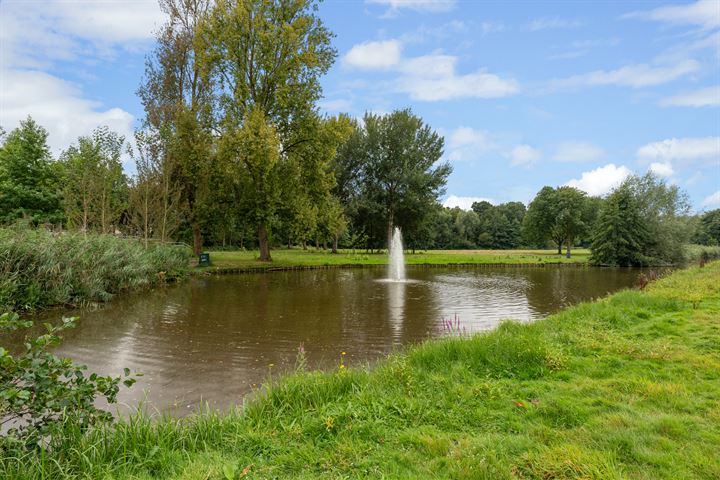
(526, 94)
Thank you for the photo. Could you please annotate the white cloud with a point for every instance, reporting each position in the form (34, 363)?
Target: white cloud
(548, 23)
(705, 97)
(434, 77)
(374, 55)
(339, 105)
(467, 143)
(683, 149)
(57, 105)
(417, 5)
(636, 76)
(465, 203)
(578, 152)
(712, 200)
(601, 180)
(663, 169)
(524, 155)
(34, 34)
(704, 13)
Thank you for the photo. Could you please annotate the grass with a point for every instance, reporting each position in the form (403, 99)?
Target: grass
(229, 260)
(40, 269)
(624, 387)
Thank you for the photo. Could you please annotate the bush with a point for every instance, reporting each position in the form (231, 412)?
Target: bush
(40, 393)
(40, 268)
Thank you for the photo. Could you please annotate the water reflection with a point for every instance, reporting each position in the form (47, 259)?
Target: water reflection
(214, 338)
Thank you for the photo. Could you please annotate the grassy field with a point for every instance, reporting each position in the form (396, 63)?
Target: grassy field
(625, 387)
(312, 258)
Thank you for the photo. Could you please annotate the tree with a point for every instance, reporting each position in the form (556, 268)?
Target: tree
(397, 171)
(656, 228)
(177, 101)
(708, 228)
(154, 197)
(571, 215)
(268, 57)
(538, 223)
(95, 190)
(620, 235)
(28, 177)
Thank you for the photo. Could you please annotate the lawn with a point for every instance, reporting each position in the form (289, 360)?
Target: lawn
(624, 387)
(230, 260)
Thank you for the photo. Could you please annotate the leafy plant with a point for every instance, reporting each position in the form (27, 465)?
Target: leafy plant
(40, 392)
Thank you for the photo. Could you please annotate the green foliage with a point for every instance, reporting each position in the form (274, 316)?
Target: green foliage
(707, 230)
(625, 387)
(562, 214)
(41, 394)
(39, 268)
(388, 174)
(643, 222)
(29, 178)
(620, 234)
(95, 187)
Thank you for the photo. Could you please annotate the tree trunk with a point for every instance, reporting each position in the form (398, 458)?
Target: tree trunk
(304, 244)
(264, 244)
(335, 243)
(197, 239)
(567, 252)
(559, 248)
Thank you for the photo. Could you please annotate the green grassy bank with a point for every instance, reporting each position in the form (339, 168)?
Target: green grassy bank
(247, 260)
(625, 387)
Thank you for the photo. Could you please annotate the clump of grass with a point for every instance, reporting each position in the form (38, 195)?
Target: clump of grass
(625, 387)
(40, 268)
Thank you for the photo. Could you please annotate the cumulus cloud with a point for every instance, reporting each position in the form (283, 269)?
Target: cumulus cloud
(33, 34)
(339, 105)
(635, 76)
(428, 78)
(524, 155)
(552, 23)
(703, 13)
(601, 180)
(578, 152)
(465, 203)
(374, 55)
(682, 149)
(443, 83)
(466, 143)
(712, 200)
(704, 97)
(57, 105)
(663, 169)
(417, 5)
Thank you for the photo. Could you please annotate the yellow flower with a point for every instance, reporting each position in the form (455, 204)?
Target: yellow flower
(343, 353)
(342, 366)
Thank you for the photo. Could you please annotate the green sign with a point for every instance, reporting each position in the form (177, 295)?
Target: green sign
(204, 260)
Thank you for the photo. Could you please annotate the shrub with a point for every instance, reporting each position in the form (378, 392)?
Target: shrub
(41, 393)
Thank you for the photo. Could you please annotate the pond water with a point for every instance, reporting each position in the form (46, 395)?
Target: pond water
(214, 339)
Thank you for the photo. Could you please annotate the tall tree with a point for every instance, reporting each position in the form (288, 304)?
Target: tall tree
(620, 234)
(399, 172)
(571, 215)
(28, 176)
(95, 187)
(177, 101)
(539, 221)
(708, 228)
(267, 57)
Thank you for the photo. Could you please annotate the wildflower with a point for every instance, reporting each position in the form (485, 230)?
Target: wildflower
(343, 353)
(342, 366)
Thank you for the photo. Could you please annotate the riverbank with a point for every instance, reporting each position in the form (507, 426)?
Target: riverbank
(625, 387)
(287, 259)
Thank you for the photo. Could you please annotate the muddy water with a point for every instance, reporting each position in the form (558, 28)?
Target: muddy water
(214, 339)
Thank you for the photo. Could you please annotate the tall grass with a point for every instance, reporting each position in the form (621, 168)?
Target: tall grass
(40, 268)
(625, 387)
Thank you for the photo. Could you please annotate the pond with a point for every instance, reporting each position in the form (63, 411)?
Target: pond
(214, 339)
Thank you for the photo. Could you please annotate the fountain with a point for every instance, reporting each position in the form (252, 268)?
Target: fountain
(397, 260)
